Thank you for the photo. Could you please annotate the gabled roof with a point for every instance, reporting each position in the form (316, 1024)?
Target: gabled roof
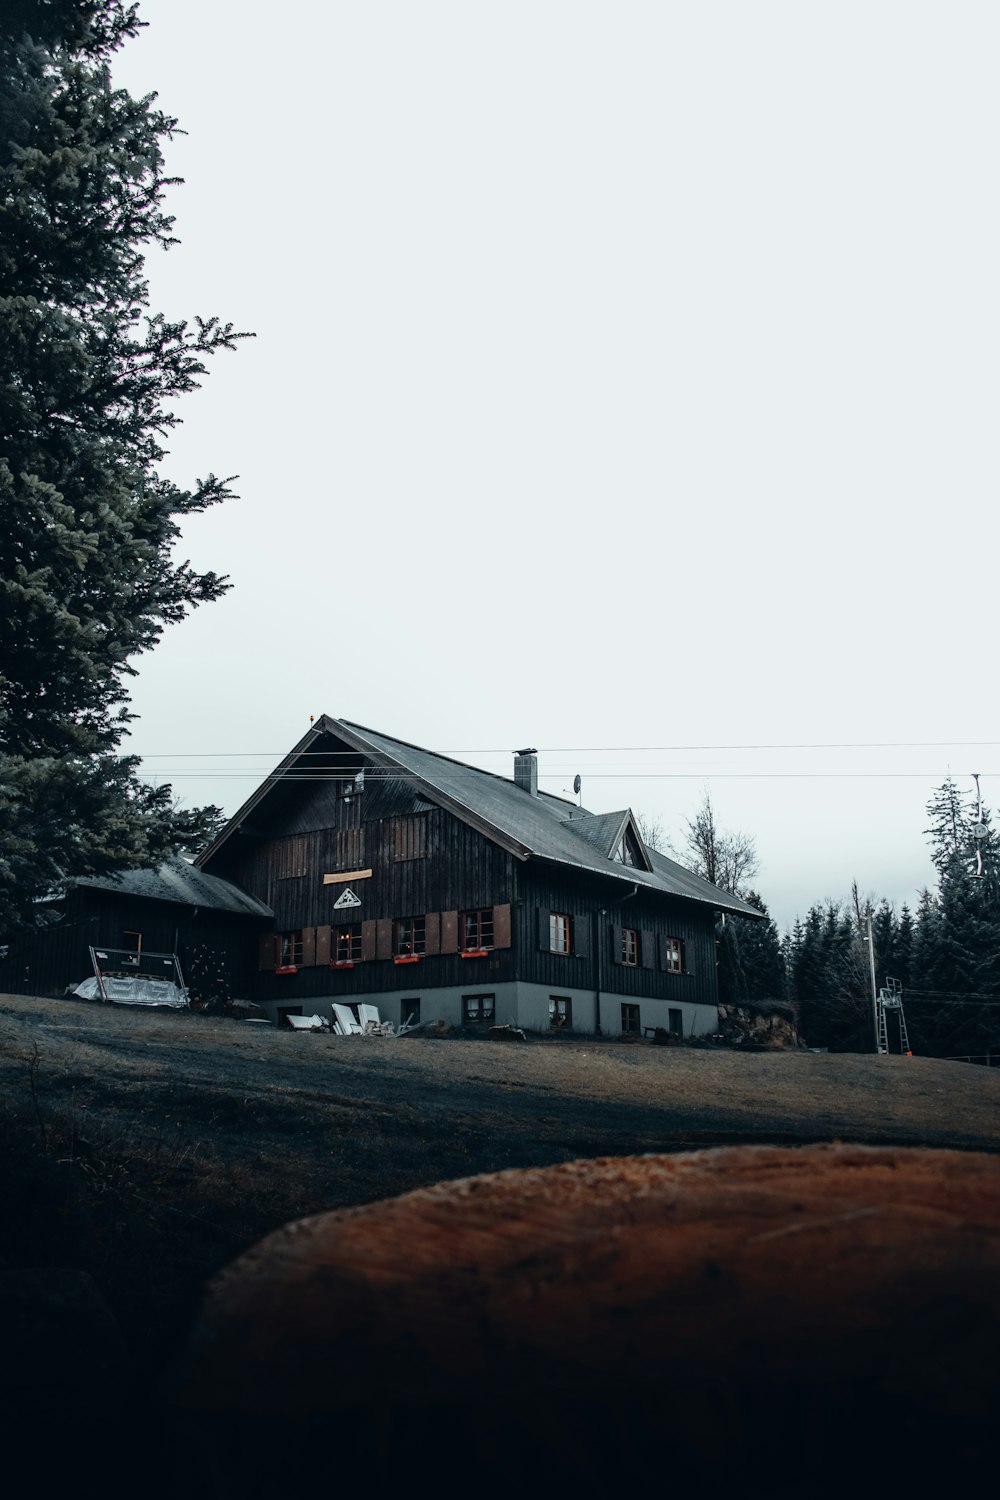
(529, 827)
(183, 883)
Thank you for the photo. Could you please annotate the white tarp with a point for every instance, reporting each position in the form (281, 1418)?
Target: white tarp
(134, 990)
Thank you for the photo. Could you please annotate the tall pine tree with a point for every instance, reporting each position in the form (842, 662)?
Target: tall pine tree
(88, 382)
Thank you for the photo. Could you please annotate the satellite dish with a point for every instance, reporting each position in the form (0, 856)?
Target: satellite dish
(577, 784)
(979, 830)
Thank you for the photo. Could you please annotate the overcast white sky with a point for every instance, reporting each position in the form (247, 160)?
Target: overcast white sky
(625, 379)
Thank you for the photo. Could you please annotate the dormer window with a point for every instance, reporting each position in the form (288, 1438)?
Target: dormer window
(629, 852)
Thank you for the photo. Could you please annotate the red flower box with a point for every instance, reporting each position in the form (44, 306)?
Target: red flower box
(474, 952)
(407, 958)
(287, 969)
(343, 963)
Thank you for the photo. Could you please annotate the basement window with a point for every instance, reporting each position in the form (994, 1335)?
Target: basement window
(560, 1013)
(630, 1019)
(478, 1009)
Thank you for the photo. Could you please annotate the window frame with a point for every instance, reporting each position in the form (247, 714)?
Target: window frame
(630, 1013)
(289, 946)
(351, 931)
(409, 937)
(566, 1023)
(630, 947)
(482, 1018)
(482, 917)
(673, 955)
(555, 918)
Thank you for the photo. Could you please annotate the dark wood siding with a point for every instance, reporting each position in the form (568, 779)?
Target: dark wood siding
(47, 962)
(595, 960)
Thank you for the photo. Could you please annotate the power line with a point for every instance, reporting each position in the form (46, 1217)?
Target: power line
(403, 775)
(587, 749)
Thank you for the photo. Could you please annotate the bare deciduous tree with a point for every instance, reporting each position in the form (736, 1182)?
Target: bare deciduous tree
(652, 831)
(728, 860)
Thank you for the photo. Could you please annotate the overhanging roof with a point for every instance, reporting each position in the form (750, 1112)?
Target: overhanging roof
(529, 827)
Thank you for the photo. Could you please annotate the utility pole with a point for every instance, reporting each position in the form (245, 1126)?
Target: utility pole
(871, 961)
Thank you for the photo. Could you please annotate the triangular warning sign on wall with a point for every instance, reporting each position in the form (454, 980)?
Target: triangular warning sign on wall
(347, 899)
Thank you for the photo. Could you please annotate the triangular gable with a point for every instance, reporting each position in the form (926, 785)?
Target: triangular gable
(296, 767)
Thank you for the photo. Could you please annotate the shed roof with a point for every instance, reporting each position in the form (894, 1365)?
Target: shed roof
(183, 883)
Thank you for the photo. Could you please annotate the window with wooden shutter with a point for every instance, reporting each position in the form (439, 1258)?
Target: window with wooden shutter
(410, 937)
(647, 950)
(560, 932)
(501, 925)
(348, 944)
(267, 950)
(291, 857)
(308, 958)
(369, 940)
(409, 837)
(348, 852)
(449, 932)
(476, 930)
(290, 949)
(383, 937)
(322, 945)
(672, 955)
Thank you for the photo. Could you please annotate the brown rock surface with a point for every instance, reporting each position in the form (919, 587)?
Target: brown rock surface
(694, 1296)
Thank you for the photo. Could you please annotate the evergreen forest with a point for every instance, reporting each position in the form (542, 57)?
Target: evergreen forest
(945, 953)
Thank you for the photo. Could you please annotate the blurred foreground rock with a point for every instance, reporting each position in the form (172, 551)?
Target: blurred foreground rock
(754, 1319)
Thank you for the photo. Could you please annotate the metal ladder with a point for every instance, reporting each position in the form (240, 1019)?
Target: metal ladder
(890, 997)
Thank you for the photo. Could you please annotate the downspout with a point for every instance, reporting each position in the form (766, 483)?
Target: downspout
(600, 955)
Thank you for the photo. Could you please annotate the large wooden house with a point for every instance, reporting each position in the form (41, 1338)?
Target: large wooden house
(435, 890)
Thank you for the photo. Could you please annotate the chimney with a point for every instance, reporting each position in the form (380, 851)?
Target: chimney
(526, 771)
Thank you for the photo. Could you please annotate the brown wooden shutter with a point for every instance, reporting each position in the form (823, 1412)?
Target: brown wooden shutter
(647, 950)
(309, 947)
(449, 932)
(544, 940)
(501, 926)
(368, 939)
(383, 937)
(322, 945)
(617, 943)
(581, 936)
(267, 950)
(432, 932)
